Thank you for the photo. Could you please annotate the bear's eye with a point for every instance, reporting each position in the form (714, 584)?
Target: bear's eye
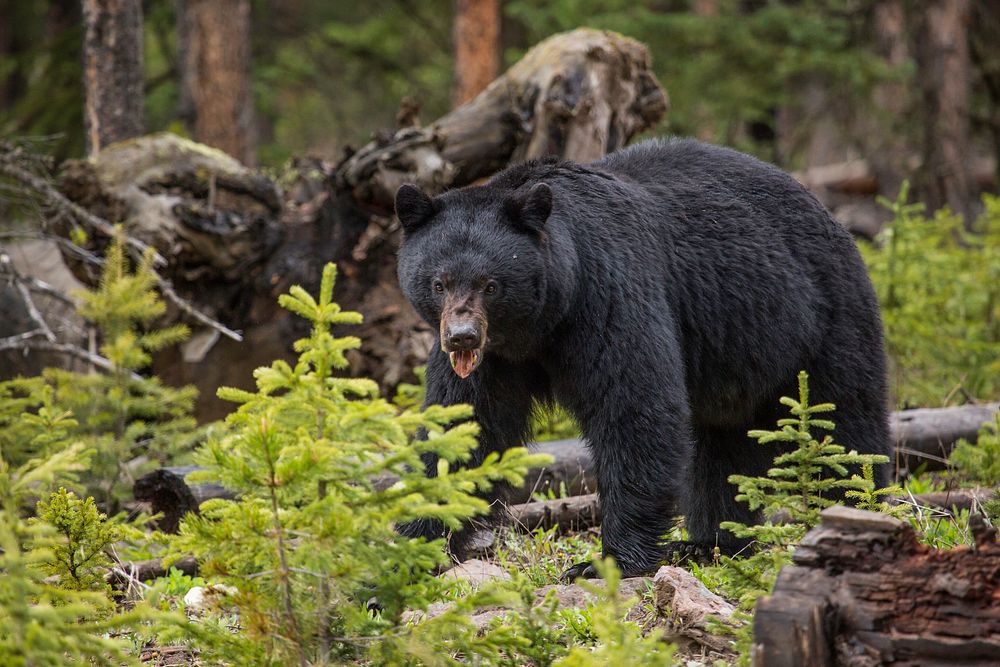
(491, 288)
(439, 287)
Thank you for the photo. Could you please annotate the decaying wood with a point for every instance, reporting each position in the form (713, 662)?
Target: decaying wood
(573, 513)
(863, 591)
(577, 95)
(125, 575)
(689, 609)
(234, 240)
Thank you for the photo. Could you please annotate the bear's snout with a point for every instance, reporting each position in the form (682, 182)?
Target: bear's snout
(463, 336)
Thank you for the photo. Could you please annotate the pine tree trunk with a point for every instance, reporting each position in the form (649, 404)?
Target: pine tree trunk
(215, 77)
(112, 71)
(891, 99)
(477, 38)
(984, 36)
(944, 74)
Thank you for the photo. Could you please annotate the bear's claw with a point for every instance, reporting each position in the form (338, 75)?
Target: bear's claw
(679, 552)
(584, 570)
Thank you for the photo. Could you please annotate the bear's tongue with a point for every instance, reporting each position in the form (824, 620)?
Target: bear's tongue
(464, 362)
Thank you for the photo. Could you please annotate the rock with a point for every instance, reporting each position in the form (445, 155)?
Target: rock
(477, 572)
(574, 596)
(680, 593)
(202, 598)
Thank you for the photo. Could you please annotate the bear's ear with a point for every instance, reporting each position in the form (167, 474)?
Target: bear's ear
(530, 211)
(413, 207)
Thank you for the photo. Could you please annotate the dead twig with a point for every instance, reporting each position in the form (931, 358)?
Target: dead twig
(10, 168)
(26, 341)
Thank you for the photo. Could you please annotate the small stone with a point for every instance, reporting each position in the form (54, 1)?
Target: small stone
(200, 598)
(477, 571)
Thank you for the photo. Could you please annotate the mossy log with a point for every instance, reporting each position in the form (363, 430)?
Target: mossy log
(233, 239)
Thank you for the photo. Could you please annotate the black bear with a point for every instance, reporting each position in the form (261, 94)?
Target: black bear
(666, 295)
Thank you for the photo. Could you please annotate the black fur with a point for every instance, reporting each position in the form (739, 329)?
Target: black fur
(668, 300)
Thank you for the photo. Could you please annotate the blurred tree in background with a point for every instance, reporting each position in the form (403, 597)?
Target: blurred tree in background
(800, 83)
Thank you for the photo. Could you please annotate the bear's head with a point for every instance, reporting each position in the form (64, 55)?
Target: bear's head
(473, 263)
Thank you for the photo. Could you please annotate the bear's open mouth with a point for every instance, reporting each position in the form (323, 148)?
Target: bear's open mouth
(463, 362)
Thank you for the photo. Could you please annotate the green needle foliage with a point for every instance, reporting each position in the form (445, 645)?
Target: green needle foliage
(79, 560)
(43, 622)
(808, 476)
(805, 479)
(325, 469)
(980, 462)
(939, 288)
(119, 415)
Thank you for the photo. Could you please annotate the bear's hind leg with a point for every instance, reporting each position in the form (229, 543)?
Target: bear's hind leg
(710, 498)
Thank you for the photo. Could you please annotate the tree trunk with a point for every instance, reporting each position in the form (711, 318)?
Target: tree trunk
(476, 35)
(216, 94)
(944, 74)
(984, 36)
(112, 71)
(888, 151)
(863, 592)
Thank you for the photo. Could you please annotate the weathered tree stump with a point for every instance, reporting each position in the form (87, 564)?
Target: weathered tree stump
(863, 592)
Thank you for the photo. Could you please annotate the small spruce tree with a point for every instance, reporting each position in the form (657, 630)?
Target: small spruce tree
(311, 536)
(806, 478)
(980, 462)
(119, 415)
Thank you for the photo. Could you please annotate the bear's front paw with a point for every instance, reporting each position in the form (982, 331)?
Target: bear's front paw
(689, 552)
(429, 529)
(585, 570)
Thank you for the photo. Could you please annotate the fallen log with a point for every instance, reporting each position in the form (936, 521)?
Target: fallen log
(126, 575)
(857, 177)
(920, 436)
(863, 591)
(233, 240)
(956, 499)
(573, 513)
(926, 436)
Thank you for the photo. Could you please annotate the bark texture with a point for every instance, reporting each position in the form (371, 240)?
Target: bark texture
(945, 75)
(476, 35)
(112, 71)
(864, 592)
(216, 92)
